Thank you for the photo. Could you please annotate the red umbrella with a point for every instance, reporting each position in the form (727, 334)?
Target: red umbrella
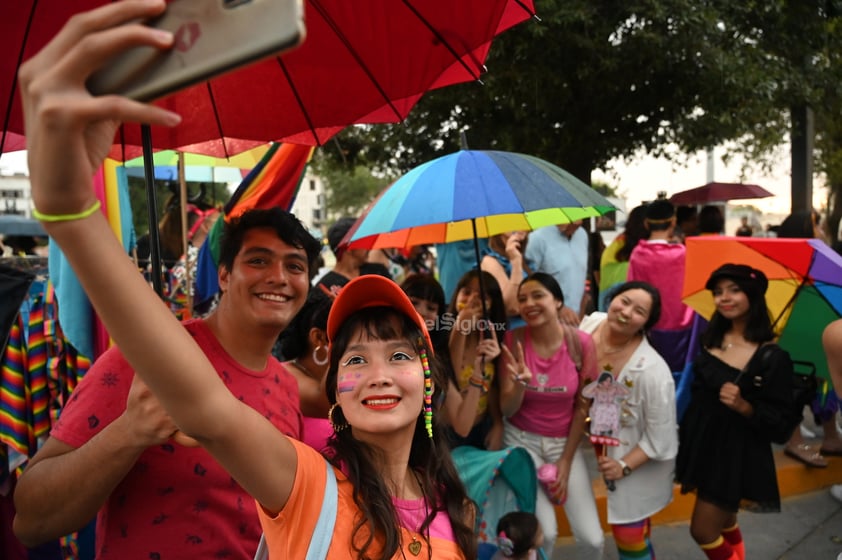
(359, 64)
(356, 66)
(718, 192)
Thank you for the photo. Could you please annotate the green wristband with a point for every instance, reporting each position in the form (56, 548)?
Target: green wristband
(66, 217)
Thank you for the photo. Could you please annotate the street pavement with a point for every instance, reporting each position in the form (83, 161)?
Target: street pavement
(809, 526)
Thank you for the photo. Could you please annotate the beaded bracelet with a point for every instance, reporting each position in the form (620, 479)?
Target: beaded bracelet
(66, 217)
(480, 384)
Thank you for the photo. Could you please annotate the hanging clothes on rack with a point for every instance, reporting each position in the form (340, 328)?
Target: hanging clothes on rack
(38, 371)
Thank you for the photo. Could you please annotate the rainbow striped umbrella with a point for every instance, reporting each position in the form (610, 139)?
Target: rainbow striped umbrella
(474, 193)
(805, 286)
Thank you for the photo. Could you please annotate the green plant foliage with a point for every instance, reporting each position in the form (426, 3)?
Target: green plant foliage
(349, 188)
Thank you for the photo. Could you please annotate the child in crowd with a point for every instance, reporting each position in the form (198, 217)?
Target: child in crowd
(474, 328)
(460, 404)
(519, 537)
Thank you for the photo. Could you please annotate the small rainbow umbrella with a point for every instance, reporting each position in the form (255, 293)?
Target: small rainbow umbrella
(805, 286)
(474, 193)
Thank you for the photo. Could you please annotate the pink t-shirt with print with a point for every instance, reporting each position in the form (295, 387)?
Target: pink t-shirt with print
(547, 406)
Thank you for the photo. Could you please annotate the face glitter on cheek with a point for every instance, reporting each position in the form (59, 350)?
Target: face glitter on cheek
(346, 384)
(410, 371)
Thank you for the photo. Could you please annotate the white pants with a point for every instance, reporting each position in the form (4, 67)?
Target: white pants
(580, 506)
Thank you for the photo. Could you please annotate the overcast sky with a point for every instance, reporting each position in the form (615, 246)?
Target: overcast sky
(642, 178)
(13, 162)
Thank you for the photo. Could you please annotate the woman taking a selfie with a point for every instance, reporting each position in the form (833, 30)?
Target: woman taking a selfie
(395, 493)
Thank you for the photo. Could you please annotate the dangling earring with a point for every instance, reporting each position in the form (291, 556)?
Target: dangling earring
(316, 359)
(428, 393)
(336, 427)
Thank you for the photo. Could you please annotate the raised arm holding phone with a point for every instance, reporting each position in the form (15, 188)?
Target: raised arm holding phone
(114, 426)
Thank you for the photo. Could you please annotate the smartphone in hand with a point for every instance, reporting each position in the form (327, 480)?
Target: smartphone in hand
(211, 37)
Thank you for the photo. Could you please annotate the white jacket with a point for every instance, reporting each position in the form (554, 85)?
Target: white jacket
(647, 420)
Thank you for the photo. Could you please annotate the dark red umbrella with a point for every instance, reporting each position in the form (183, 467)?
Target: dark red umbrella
(360, 63)
(718, 192)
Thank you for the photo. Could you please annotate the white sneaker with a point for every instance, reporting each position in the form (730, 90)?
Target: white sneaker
(836, 491)
(806, 432)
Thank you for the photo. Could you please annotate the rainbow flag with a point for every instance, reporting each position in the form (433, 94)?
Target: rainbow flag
(76, 315)
(274, 181)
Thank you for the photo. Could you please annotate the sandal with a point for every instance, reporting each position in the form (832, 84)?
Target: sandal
(805, 454)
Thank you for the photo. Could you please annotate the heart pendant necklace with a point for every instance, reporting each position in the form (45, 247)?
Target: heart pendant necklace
(414, 547)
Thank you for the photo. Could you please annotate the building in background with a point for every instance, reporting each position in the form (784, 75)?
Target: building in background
(15, 194)
(310, 205)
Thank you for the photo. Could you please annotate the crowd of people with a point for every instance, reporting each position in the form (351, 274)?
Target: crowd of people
(318, 416)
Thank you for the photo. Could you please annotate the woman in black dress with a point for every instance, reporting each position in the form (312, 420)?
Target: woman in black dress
(742, 384)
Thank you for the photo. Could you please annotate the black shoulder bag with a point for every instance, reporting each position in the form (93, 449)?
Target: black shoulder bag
(804, 387)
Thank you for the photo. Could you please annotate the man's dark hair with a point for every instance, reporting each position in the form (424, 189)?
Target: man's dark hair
(798, 225)
(660, 214)
(711, 220)
(288, 228)
(336, 233)
(687, 215)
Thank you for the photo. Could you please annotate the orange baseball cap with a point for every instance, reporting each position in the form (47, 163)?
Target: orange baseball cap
(371, 290)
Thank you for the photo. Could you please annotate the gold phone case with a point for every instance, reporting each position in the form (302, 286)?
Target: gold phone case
(211, 38)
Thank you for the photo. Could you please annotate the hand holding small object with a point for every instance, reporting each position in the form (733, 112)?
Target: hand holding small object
(488, 349)
(62, 117)
(513, 247)
(611, 469)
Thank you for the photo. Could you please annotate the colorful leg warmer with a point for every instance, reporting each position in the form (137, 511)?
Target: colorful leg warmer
(735, 538)
(719, 550)
(633, 540)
